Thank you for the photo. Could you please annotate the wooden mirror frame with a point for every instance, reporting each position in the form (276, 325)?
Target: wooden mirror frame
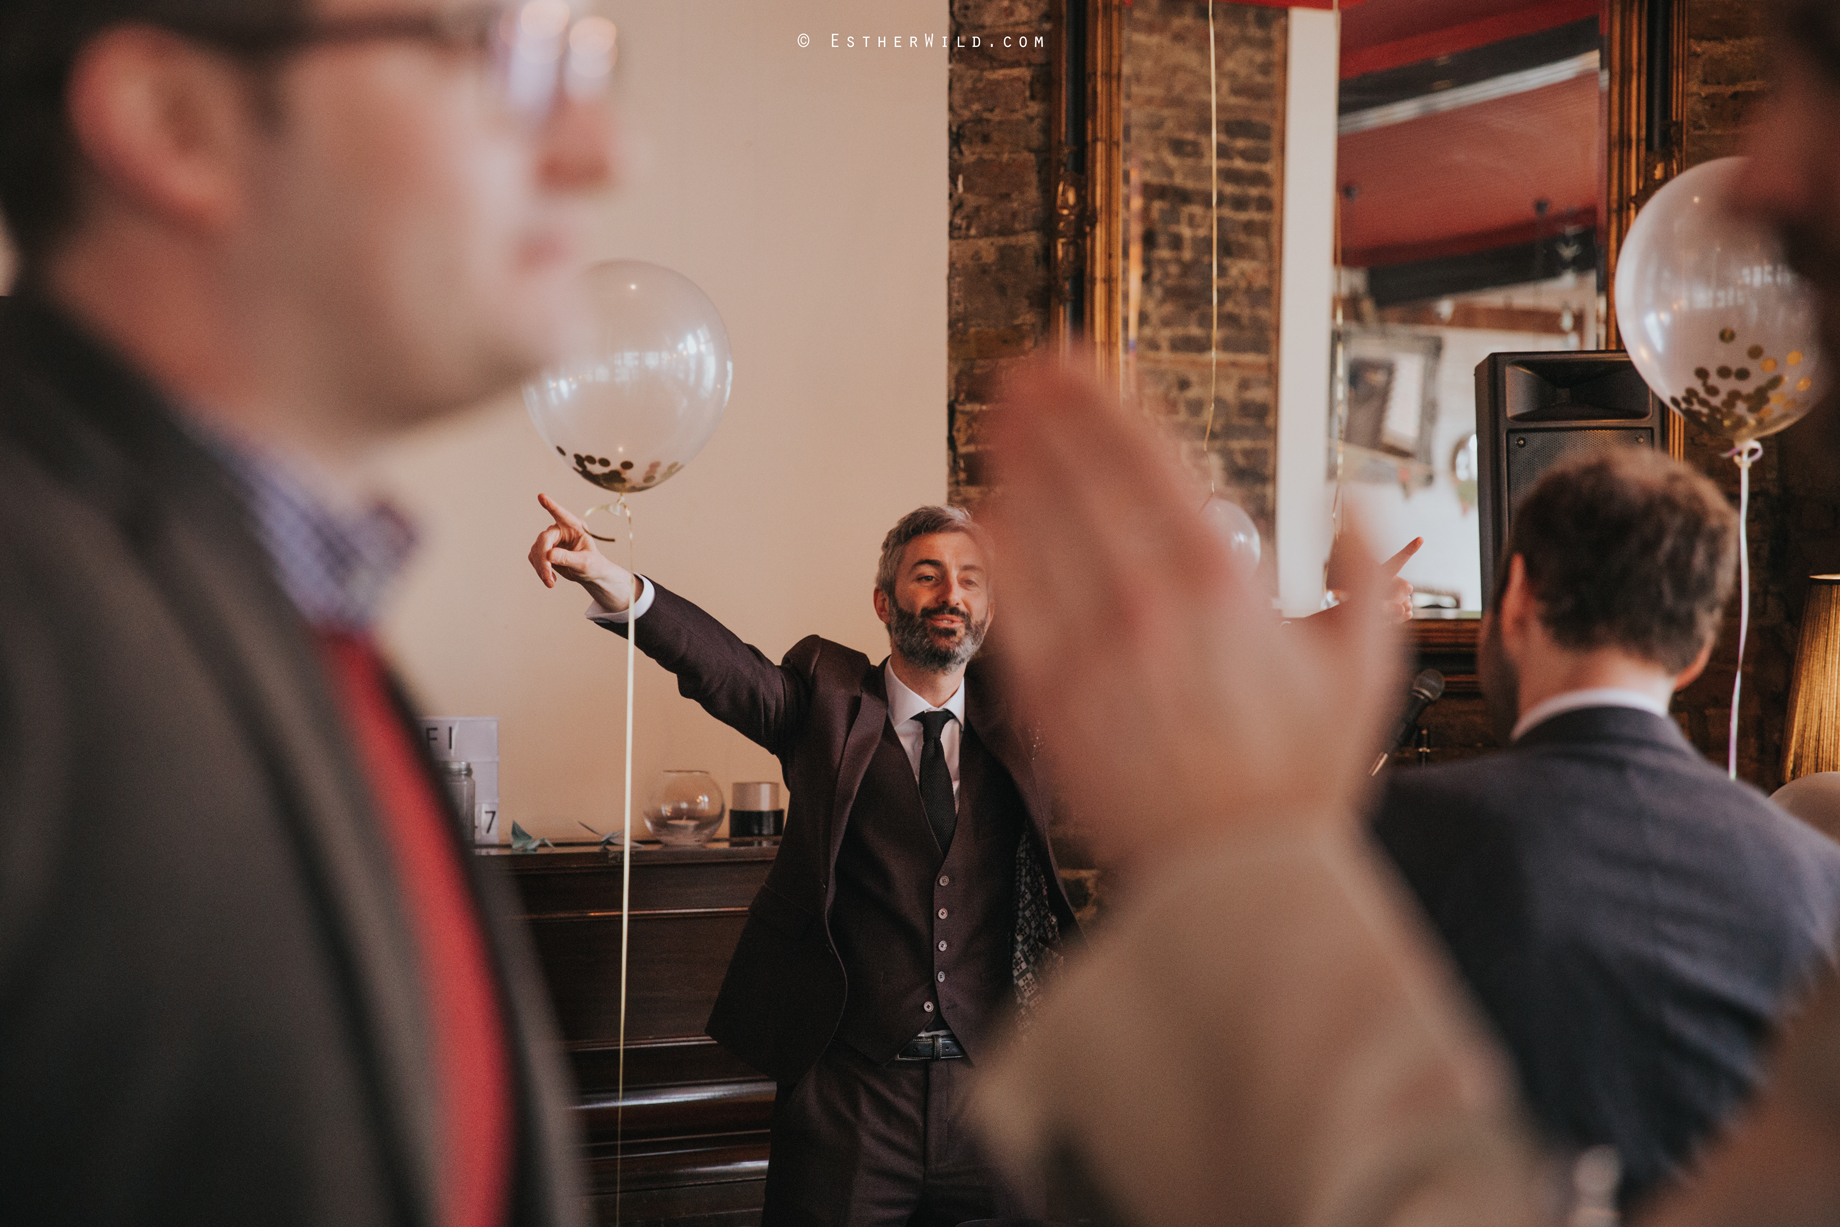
(1645, 54)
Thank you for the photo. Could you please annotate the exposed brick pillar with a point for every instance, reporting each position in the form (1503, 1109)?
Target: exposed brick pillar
(999, 260)
(998, 263)
(1166, 135)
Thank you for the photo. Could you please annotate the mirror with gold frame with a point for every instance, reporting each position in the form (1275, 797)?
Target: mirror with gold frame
(1442, 116)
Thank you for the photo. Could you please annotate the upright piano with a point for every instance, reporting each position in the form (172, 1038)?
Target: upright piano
(688, 1144)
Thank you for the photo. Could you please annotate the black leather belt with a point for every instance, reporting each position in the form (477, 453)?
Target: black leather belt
(932, 1046)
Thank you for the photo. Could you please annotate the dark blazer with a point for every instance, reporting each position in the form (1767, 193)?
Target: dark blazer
(210, 1000)
(1631, 920)
(821, 712)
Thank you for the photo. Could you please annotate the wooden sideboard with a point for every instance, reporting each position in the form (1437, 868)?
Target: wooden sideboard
(690, 1146)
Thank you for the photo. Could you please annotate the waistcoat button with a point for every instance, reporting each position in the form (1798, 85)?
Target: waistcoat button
(942, 945)
(927, 1006)
(942, 977)
(945, 879)
(942, 913)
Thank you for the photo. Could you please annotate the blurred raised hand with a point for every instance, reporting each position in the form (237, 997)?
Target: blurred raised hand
(1282, 1044)
(1171, 700)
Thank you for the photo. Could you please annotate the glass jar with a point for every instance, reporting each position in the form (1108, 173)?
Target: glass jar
(757, 813)
(460, 786)
(685, 807)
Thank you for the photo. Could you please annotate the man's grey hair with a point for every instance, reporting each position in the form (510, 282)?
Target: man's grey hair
(920, 522)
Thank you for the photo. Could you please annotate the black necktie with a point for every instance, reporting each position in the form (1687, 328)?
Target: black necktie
(936, 778)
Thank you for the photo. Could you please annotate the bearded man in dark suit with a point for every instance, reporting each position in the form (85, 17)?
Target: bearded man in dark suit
(249, 972)
(914, 900)
(1633, 922)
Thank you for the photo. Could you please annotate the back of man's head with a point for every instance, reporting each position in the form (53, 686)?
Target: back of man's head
(1624, 547)
(39, 42)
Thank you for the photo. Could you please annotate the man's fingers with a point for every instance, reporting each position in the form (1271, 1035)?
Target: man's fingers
(539, 555)
(563, 516)
(1362, 656)
(1075, 548)
(1402, 599)
(1116, 500)
(574, 564)
(1392, 566)
(1121, 473)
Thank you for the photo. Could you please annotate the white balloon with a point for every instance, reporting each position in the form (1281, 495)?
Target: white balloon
(1235, 530)
(1715, 320)
(649, 389)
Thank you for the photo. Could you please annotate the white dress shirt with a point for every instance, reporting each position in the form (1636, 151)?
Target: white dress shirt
(1572, 700)
(598, 612)
(904, 705)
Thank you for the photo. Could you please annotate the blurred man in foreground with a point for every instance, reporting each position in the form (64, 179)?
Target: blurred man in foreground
(1632, 922)
(249, 973)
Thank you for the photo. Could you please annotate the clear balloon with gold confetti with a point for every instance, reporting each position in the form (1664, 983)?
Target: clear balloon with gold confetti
(1715, 320)
(641, 400)
(1723, 330)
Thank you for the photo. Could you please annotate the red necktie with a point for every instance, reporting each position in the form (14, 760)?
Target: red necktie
(472, 1067)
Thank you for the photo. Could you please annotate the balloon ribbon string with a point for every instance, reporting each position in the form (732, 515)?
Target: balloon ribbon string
(1743, 455)
(626, 833)
(1207, 436)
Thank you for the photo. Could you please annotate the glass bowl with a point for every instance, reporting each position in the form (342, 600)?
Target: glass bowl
(685, 807)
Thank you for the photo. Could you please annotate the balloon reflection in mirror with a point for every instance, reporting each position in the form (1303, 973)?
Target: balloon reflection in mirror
(1236, 531)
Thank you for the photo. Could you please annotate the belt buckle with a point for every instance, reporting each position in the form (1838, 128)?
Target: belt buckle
(927, 1046)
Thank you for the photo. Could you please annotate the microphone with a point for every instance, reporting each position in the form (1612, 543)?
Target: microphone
(1426, 688)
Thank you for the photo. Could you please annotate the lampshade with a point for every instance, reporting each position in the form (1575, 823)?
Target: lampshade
(1812, 740)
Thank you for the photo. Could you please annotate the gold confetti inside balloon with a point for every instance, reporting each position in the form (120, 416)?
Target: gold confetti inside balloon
(1713, 317)
(641, 400)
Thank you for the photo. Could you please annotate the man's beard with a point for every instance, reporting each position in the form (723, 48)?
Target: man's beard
(930, 647)
(1501, 686)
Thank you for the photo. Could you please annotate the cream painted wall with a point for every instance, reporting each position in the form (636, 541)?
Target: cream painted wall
(805, 190)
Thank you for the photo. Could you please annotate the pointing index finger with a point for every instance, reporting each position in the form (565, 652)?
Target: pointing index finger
(562, 515)
(1393, 565)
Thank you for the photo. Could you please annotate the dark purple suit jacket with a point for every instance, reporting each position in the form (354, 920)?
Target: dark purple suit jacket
(821, 712)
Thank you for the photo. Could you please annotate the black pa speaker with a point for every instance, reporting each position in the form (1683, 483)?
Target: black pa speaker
(1533, 410)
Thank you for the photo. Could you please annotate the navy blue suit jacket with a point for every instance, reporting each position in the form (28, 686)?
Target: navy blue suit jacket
(1632, 922)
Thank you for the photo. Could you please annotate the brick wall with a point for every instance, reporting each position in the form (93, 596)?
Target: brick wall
(999, 262)
(998, 266)
(1166, 139)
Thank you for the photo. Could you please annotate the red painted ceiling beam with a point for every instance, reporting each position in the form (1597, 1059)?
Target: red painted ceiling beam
(1292, 4)
(1287, 4)
(1468, 36)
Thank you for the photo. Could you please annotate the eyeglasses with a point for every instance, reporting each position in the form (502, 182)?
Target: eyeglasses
(539, 52)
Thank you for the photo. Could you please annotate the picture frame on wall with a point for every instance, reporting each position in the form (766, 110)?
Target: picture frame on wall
(1383, 424)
